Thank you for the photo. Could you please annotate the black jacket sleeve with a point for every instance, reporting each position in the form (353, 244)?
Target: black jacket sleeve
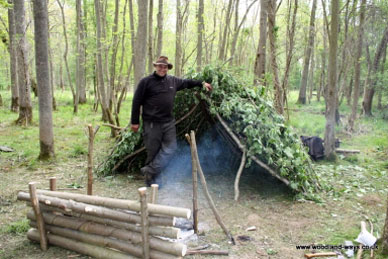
(137, 101)
(187, 83)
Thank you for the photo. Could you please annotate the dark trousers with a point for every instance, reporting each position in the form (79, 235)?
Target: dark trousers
(160, 143)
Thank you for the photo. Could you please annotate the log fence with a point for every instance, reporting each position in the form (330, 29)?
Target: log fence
(104, 227)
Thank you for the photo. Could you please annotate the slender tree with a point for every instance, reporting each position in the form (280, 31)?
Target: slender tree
(141, 41)
(46, 135)
(200, 29)
(307, 57)
(25, 107)
(331, 102)
(150, 37)
(259, 68)
(226, 25)
(13, 63)
(178, 41)
(357, 67)
(278, 99)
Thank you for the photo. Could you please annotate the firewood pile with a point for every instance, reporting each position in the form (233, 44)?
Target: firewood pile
(104, 227)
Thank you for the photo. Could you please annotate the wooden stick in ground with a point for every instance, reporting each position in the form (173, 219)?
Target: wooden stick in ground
(90, 157)
(144, 222)
(195, 186)
(238, 175)
(206, 191)
(53, 183)
(38, 216)
(208, 252)
(154, 193)
(320, 255)
(78, 246)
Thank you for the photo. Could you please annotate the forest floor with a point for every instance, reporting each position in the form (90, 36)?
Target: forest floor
(358, 185)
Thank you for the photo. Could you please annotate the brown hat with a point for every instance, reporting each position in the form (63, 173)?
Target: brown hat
(163, 60)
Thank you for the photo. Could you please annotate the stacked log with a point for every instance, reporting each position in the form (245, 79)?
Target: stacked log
(106, 227)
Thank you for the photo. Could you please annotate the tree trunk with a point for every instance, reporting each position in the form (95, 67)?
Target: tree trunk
(78, 56)
(81, 58)
(115, 43)
(222, 51)
(278, 98)
(332, 83)
(200, 30)
(306, 62)
(259, 68)
(310, 81)
(54, 103)
(150, 37)
(46, 135)
(322, 84)
(159, 42)
(357, 67)
(12, 55)
(380, 92)
(104, 102)
(25, 107)
(141, 41)
(178, 42)
(75, 99)
(370, 89)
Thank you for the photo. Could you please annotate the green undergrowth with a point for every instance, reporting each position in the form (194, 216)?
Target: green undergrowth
(252, 118)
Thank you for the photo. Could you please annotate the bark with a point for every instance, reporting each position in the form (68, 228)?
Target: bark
(54, 103)
(275, 70)
(82, 73)
(310, 81)
(259, 67)
(228, 15)
(200, 30)
(78, 49)
(357, 67)
(75, 100)
(370, 90)
(332, 84)
(13, 62)
(80, 60)
(159, 42)
(23, 75)
(46, 135)
(178, 41)
(150, 37)
(141, 41)
(306, 62)
(144, 222)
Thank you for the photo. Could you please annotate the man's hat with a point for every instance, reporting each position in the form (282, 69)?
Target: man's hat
(163, 60)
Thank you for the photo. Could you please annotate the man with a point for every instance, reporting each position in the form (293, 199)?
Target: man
(156, 94)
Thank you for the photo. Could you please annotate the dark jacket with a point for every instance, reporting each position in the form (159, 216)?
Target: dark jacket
(156, 94)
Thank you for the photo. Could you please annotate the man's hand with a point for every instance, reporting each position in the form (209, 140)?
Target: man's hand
(208, 86)
(135, 127)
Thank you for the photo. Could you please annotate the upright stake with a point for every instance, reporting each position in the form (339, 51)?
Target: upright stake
(206, 191)
(195, 186)
(38, 215)
(53, 183)
(238, 175)
(90, 157)
(154, 193)
(144, 222)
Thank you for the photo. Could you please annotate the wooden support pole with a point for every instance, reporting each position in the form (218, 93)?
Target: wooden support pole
(92, 133)
(194, 172)
(154, 193)
(208, 252)
(144, 222)
(120, 203)
(238, 175)
(53, 183)
(38, 215)
(206, 191)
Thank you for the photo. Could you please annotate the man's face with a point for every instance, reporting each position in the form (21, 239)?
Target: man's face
(161, 70)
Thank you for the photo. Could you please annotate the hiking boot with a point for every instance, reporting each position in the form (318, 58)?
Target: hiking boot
(148, 176)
